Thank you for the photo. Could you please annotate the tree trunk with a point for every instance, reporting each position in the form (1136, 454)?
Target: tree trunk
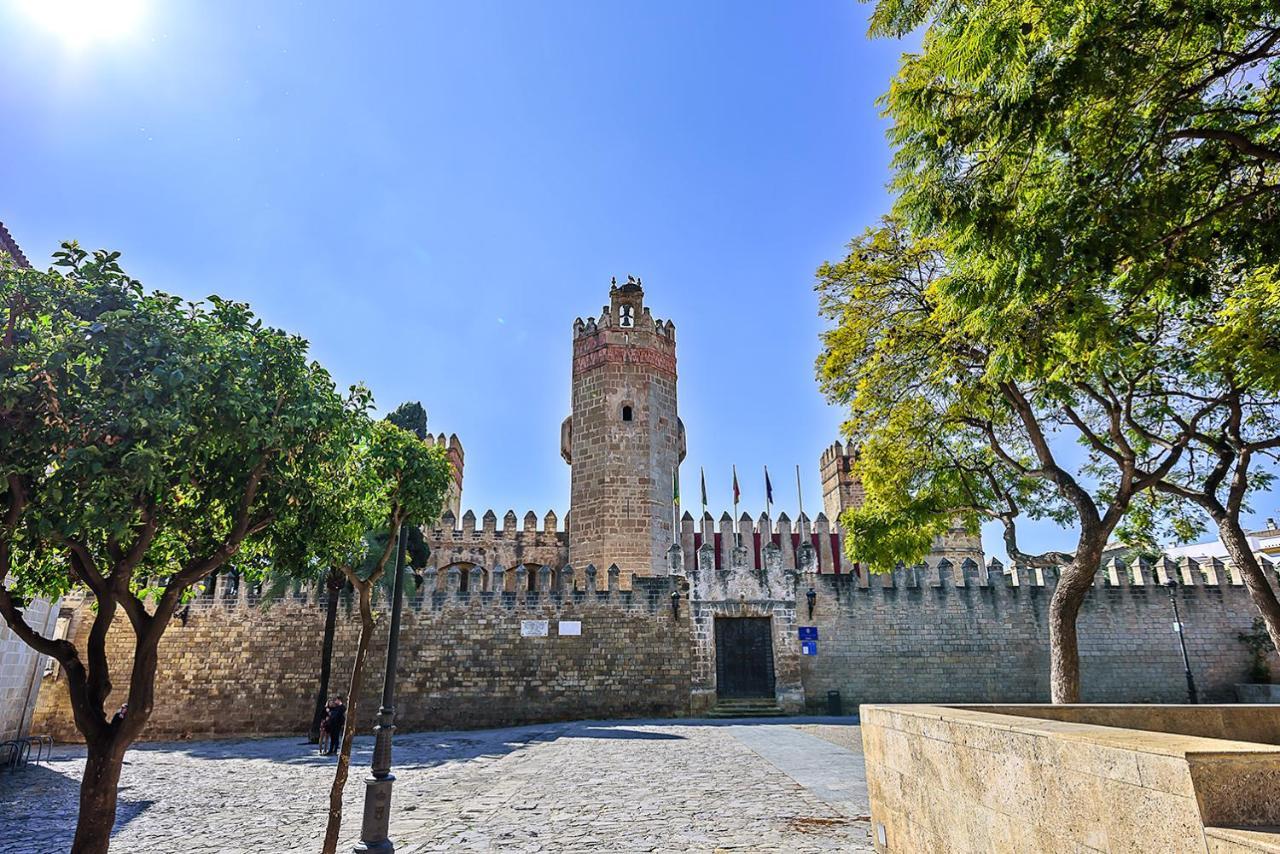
(98, 799)
(334, 826)
(326, 662)
(1255, 580)
(1064, 648)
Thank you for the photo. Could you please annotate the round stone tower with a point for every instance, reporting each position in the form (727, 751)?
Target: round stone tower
(624, 439)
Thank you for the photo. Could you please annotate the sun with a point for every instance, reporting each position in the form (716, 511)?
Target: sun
(79, 23)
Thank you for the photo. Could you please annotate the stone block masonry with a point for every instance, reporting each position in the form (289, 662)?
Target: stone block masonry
(20, 671)
(237, 668)
(960, 634)
(933, 633)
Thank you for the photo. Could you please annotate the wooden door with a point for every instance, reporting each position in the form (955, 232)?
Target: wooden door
(744, 657)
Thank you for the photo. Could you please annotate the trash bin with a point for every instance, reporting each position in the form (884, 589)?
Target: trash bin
(833, 704)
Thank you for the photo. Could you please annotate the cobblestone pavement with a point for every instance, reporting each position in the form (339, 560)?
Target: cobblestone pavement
(619, 786)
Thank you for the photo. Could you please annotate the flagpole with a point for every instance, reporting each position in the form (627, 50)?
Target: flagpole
(737, 529)
(702, 475)
(702, 472)
(768, 495)
(800, 497)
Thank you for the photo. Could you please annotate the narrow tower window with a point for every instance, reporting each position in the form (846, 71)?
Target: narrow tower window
(626, 413)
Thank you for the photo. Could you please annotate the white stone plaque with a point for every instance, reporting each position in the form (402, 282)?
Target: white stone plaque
(533, 628)
(569, 627)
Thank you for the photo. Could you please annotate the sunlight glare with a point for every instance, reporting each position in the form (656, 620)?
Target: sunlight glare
(79, 23)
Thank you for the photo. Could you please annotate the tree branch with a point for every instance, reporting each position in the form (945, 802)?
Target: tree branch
(1236, 140)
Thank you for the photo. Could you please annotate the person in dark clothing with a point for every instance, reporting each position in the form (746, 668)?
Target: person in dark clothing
(120, 714)
(337, 718)
(325, 739)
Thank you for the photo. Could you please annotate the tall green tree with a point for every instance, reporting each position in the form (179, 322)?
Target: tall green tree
(141, 438)
(403, 481)
(950, 423)
(1101, 180)
(341, 531)
(1058, 145)
(410, 416)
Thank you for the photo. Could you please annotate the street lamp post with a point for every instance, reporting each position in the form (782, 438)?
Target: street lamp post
(377, 788)
(1172, 586)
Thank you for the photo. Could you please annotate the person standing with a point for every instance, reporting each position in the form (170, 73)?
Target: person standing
(336, 722)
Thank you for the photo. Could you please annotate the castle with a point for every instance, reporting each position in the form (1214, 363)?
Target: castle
(623, 610)
(624, 442)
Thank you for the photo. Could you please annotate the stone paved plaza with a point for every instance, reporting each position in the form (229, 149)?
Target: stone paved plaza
(793, 785)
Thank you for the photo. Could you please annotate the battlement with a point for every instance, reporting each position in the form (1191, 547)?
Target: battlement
(495, 588)
(748, 569)
(450, 442)
(511, 524)
(752, 536)
(452, 447)
(665, 329)
(626, 312)
(1187, 574)
(841, 486)
(519, 541)
(836, 453)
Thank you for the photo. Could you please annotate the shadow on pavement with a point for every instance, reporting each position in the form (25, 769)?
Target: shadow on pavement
(28, 818)
(620, 733)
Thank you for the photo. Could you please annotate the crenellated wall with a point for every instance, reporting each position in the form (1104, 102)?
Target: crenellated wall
(516, 543)
(235, 667)
(946, 633)
(754, 535)
(933, 633)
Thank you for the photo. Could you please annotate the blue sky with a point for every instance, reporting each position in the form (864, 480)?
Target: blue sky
(430, 193)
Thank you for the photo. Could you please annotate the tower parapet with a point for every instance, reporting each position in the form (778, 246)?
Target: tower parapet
(623, 439)
(841, 487)
(453, 449)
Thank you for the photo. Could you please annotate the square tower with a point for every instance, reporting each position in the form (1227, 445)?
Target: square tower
(842, 489)
(623, 440)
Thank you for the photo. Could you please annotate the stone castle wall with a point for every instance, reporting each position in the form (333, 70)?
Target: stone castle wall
(514, 544)
(934, 633)
(952, 634)
(236, 668)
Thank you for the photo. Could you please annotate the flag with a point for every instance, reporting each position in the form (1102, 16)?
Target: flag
(675, 486)
(703, 473)
(768, 487)
(736, 492)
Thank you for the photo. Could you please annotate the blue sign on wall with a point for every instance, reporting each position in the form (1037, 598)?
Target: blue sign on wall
(808, 633)
(808, 647)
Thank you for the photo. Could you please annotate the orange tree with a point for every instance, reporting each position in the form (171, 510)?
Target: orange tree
(400, 480)
(144, 443)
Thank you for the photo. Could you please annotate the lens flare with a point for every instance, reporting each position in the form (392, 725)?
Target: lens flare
(79, 23)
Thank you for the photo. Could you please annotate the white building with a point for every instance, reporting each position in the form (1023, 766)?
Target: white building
(1265, 542)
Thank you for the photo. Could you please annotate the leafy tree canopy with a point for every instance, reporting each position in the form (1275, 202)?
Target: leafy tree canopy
(150, 435)
(410, 416)
(1059, 145)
